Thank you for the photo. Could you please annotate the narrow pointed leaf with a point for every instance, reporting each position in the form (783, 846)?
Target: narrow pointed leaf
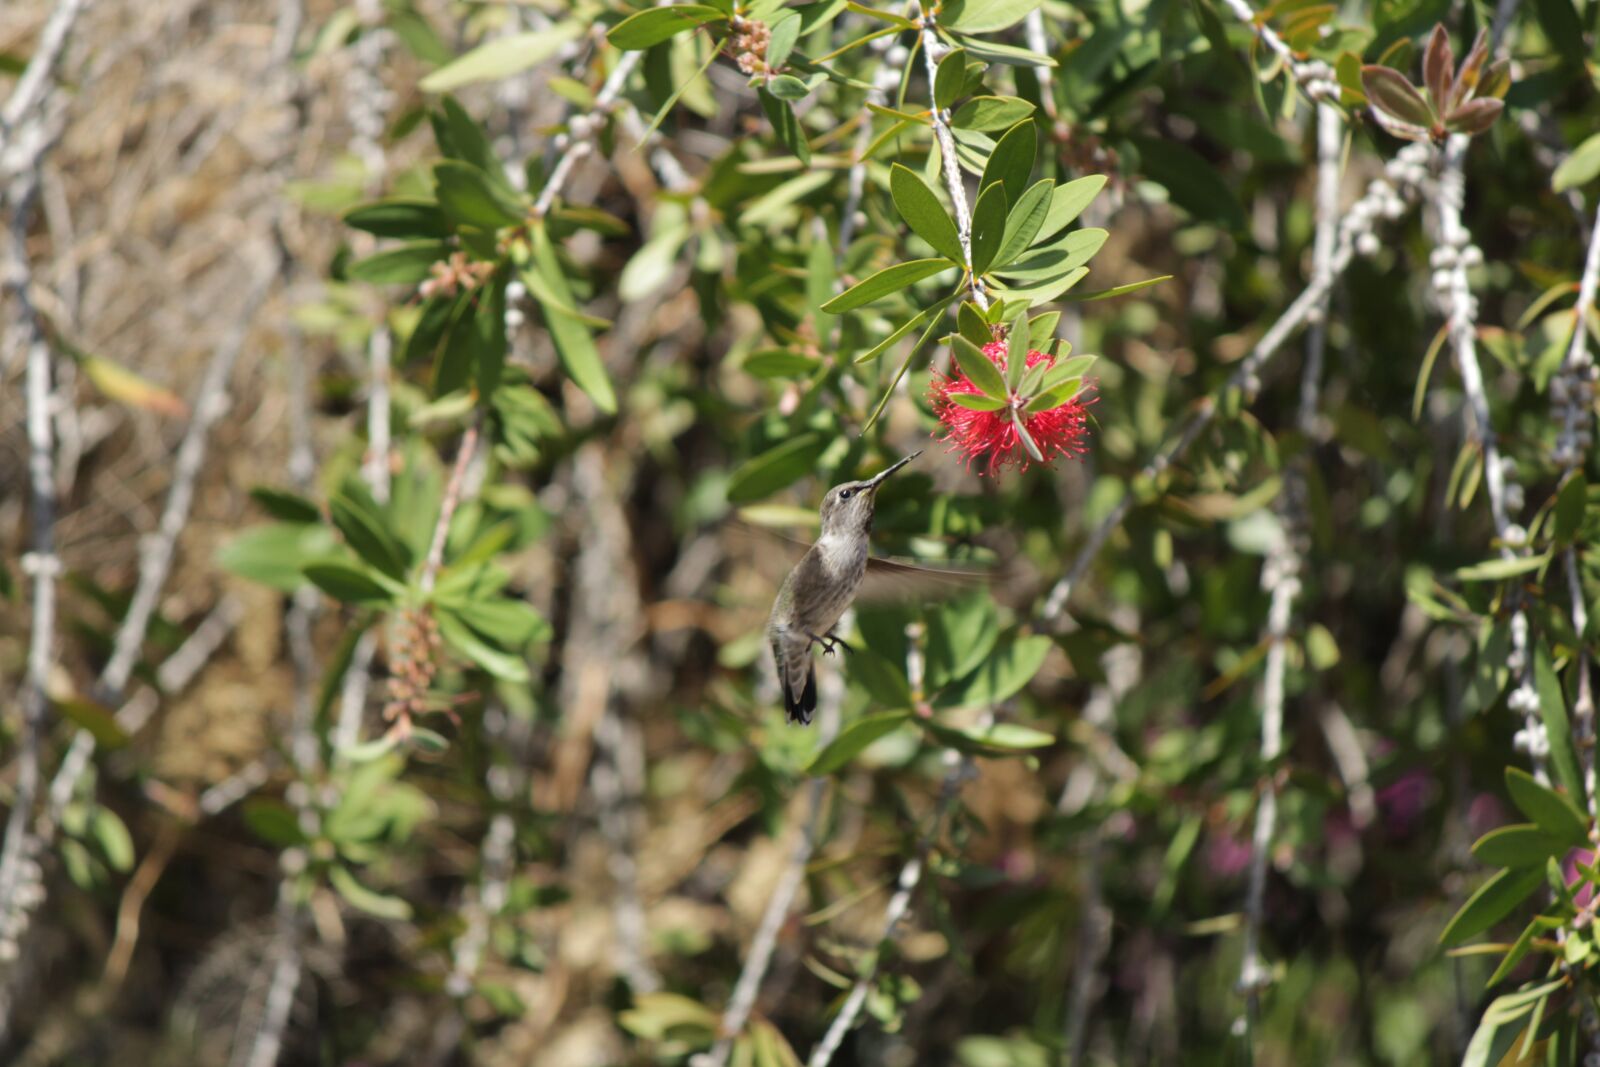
(1011, 161)
(1493, 901)
(1025, 221)
(988, 227)
(657, 24)
(978, 368)
(922, 211)
(1438, 68)
(1554, 813)
(886, 281)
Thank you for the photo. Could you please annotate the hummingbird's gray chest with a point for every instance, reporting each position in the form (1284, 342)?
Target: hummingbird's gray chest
(825, 588)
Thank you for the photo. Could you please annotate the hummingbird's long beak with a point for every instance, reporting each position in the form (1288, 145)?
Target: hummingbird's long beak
(877, 480)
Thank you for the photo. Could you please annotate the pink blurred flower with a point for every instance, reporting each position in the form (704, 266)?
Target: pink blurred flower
(1569, 870)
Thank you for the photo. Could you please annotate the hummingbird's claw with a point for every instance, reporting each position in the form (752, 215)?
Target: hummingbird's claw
(842, 643)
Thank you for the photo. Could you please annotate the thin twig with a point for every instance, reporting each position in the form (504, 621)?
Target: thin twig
(447, 508)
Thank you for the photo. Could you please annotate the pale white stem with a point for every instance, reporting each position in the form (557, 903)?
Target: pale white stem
(447, 508)
(949, 164)
(380, 350)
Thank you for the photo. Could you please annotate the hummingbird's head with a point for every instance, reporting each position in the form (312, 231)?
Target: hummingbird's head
(848, 507)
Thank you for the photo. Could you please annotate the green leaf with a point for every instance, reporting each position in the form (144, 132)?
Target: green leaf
(470, 198)
(1025, 221)
(853, 738)
(922, 211)
(1580, 168)
(1117, 290)
(1067, 202)
(654, 25)
(1495, 570)
(98, 720)
(400, 217)
(784, 33)
(785, 124)
(1554, 813)
(365, 532)
(1011, 161)
(346, 583)
(949, 78)
(1008, 736)
(1059, 257)
(983, 113)
(285, 506)
(970, 324)
(1493, 901)
(781, 363)
(1572, 498)
(988, 227)
(574, 344)
(502, 665)
(1049, 399)
(367, 900)
(507, 622)
(1522, 845)
(1519, 948)
(886, 281)
(275, 554)
(502, 57)
(977, 402)
(405, 265)
(979, 369)
(1047, 290)
(765, 474)
(111, 835)
(1011, 666)
(1553, 710)
(273, 821)
(984, 16)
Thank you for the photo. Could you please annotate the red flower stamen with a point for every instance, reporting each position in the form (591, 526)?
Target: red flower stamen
(991, 436)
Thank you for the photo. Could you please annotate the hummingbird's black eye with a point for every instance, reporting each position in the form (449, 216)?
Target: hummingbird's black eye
(845, 494)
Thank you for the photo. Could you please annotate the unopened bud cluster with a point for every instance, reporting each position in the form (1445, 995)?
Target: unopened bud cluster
(413, 663)
(454, 274)
(748, 45)
(1572, 394)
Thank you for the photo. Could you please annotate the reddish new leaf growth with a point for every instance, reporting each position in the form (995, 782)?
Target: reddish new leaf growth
(990, 437)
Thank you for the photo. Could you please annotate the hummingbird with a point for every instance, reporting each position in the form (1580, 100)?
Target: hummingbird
(819, 589)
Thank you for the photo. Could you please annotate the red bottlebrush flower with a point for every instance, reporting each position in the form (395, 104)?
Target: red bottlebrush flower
(990, 437)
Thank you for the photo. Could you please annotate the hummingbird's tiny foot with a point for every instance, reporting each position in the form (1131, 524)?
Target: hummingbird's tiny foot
(842, 643)
(827, 645)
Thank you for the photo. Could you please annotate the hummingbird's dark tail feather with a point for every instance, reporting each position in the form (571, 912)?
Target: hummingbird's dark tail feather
(800, 709)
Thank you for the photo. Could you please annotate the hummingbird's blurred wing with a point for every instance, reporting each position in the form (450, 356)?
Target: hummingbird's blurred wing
(891, 579)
